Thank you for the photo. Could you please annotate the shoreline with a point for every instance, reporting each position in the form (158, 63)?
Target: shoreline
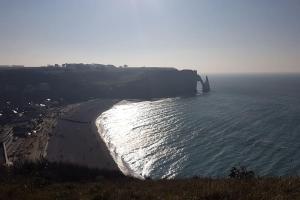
(122, 165)
(76, 139)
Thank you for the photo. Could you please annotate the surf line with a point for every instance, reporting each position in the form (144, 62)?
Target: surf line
(75, 121)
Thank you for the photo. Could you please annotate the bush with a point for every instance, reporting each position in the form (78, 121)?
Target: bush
(241, 173)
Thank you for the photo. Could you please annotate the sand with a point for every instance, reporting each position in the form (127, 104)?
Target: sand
(76, 140)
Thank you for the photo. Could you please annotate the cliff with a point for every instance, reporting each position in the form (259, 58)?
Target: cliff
(77, 82)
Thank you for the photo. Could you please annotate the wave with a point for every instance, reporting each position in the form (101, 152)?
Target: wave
(122, 165)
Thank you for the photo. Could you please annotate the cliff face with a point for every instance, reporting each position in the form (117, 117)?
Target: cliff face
(79, 83)
(153, 84)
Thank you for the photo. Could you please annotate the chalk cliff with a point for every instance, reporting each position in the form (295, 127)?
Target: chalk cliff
(78, 82)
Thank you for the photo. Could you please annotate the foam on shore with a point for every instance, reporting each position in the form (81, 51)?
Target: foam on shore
(123, 166)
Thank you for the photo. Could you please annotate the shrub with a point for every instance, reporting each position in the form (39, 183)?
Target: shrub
(241, 173)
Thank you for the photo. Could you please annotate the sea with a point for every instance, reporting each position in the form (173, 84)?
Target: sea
(246, 120)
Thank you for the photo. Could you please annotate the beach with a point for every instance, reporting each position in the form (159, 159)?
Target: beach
(76, 140)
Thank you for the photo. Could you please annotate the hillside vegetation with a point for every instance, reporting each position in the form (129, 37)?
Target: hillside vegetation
(44, 180)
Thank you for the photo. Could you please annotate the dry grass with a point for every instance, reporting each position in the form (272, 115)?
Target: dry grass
(275, 188)
(100, 186)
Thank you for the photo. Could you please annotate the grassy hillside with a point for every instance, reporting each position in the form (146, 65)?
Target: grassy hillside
(62, 181)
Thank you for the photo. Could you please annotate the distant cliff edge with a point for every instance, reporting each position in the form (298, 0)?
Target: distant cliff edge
(77, 82)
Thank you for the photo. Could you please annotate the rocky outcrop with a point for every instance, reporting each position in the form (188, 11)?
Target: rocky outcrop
(205, 85)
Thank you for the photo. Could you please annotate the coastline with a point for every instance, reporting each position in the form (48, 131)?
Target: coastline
(122, 165)
(76, 140)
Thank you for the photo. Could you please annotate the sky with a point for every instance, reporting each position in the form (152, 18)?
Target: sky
(211, 36)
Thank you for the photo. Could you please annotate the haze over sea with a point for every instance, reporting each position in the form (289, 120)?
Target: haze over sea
(248, 120)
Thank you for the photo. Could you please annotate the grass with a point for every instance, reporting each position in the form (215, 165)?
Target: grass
(44, 180)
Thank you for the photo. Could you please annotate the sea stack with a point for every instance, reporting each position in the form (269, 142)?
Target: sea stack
(205, 84)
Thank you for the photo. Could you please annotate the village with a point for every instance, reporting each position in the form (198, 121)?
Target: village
(25, 128)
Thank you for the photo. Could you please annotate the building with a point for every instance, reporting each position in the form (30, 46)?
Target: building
(6, 134)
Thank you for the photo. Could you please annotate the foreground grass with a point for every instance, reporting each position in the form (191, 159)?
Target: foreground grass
(37, 184)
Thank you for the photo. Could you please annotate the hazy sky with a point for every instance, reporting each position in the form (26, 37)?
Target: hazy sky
(207, 35)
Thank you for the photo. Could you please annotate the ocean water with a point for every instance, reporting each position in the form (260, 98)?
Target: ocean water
(247, 120)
